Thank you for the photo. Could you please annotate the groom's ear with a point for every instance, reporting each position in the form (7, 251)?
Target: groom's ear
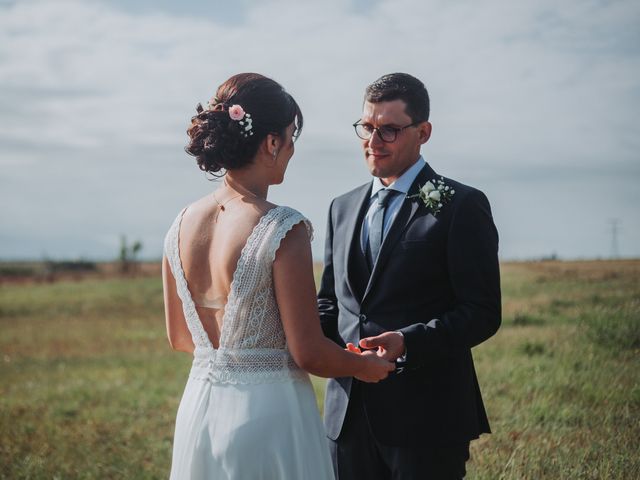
(424, 132)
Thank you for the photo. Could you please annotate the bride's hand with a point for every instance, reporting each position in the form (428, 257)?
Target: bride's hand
(374, 368)
(352, 348)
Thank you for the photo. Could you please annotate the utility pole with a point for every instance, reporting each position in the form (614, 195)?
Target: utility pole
(615, 229)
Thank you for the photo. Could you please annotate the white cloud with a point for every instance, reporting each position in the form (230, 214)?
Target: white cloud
(95, 100)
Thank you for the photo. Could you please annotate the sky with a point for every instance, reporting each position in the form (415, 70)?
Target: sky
(536, 103)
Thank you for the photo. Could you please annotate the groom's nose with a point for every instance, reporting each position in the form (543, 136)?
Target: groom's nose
(375, 139)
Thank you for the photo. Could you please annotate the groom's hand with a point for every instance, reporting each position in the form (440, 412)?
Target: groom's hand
(390, 345)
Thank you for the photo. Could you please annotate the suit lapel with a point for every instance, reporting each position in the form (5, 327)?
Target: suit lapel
(356, 263)
(406, 213)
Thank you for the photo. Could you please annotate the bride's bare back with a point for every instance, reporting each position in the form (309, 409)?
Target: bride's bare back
(212, 236)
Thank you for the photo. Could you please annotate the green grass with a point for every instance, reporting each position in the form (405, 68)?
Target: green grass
(89, 386)
(560, 379)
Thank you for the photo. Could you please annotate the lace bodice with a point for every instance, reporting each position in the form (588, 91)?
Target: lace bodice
(253, 346)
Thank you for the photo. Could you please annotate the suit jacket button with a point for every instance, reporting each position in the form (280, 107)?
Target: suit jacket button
(363, 318)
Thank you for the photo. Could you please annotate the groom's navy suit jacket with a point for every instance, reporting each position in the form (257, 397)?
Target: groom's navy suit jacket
(441, 267)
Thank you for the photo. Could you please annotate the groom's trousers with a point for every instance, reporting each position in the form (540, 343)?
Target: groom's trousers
(358, 455)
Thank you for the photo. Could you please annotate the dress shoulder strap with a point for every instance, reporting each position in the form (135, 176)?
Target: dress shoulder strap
(282, 221)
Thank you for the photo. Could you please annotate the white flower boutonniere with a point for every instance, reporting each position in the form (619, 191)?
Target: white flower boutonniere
(435, 194)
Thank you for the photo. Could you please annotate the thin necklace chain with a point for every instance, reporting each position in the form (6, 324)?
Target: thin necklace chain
(238, 194)
(221, 205)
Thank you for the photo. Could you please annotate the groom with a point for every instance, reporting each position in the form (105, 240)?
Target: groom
(411, 272)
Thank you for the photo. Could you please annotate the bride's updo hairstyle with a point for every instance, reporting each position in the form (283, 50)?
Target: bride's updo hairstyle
(225, 135)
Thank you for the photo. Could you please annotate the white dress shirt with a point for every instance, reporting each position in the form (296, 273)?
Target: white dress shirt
(401, 185)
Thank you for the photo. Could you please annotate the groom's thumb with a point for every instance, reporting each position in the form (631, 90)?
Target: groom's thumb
(370, 342)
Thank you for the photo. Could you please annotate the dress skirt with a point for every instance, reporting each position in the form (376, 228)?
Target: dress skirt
(252, 431)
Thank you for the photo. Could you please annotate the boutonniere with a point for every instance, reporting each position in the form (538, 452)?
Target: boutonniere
(435, 194)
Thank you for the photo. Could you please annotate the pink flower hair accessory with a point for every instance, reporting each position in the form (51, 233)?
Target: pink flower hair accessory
(237, 114)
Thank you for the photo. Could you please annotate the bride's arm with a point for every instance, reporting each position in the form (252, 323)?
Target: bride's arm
(177, 330)
(295, 292)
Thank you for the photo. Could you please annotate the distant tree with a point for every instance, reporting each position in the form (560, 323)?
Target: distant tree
(123, 257)
(135, 249)
(129, 255)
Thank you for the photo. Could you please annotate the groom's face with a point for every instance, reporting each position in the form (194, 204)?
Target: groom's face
(389, 160)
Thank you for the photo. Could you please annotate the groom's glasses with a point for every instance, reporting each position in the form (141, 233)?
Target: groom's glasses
(386, 133)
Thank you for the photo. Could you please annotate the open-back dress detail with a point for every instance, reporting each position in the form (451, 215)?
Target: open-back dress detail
(247, 411)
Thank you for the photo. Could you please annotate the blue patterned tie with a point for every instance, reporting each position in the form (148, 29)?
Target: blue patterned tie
(376, 228)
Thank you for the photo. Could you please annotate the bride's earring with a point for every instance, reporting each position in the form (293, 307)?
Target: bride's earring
(275, 154)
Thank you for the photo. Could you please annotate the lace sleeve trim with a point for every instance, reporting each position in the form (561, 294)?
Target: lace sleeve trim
(288, 219)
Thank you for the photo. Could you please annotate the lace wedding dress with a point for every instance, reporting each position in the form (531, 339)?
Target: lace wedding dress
(247, 411)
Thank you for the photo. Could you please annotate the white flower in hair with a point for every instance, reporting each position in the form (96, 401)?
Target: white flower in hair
(237, 113)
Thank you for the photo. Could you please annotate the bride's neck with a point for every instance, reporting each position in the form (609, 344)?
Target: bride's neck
(247, 184)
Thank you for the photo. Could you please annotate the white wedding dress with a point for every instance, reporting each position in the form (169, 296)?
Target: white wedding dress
(248, 411)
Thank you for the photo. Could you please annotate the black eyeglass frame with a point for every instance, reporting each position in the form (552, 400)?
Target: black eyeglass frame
(376, 130)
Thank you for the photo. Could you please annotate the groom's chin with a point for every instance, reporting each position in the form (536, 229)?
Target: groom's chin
(376, 172)
(376, 169)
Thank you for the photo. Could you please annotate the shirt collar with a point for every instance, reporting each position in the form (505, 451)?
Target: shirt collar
(402, 184)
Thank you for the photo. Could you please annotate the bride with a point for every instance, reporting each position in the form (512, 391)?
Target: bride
(240, 296)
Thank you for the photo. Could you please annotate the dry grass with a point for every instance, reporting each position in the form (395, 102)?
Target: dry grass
(89, 387)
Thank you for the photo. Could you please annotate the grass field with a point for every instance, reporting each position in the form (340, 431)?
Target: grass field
(89, 387)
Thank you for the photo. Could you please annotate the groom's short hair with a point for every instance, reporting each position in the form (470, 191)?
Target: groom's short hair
(401, 86)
